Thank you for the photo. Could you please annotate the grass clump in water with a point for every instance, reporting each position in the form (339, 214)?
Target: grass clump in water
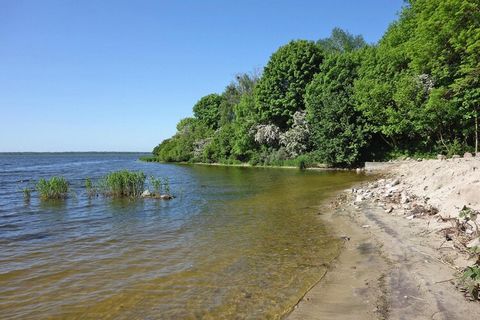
(55, 188)
(27, 194)
(161, 189)
(166, 186)
(124, 183)
(156, 184)
(92, 190)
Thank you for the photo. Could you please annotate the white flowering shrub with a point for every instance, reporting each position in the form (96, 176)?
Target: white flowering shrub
(199, 146)
(266, 134)
(295, 140)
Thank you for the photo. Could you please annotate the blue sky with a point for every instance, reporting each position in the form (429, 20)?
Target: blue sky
(118, 75)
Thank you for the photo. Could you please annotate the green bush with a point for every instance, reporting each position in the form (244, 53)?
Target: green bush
(124, 183)
(55, 188)
(455, 147)
(304, 161)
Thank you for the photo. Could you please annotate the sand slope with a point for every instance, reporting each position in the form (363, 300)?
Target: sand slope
(448, 185)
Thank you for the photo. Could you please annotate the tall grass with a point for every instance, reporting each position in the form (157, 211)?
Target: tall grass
(91, 188)
(156, 184)
(166, 186)
(55, 188)
(27, 194)
(148, 159)
(124, 183)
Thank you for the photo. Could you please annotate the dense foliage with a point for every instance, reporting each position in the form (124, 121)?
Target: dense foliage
(280, 91)
(339, 132)
(340, 101)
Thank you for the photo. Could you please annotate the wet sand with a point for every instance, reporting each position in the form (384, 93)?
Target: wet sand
(390, 268)
(350, 288)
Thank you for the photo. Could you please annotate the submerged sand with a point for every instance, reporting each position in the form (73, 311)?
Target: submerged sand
(397, 263)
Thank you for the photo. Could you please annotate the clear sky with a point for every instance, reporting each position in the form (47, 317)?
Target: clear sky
(118, 75)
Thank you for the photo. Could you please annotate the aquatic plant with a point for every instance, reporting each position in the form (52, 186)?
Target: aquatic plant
(166, 186)
(123, 183)
(26, 193)
(88, 184)
(148, 158)
(156, 185)
(90, 187)
(55, 188)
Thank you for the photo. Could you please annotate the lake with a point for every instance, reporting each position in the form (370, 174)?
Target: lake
(235, 243)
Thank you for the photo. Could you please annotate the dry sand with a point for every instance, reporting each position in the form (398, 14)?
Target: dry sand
(448, 184)
(397, 263)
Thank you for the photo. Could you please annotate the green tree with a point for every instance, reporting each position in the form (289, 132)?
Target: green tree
(381, 68)
(341, 41)
(446, 45)
(207, 110)
(338, 130)
(220, 148)
(181, 147)
(241, 86)
(280, 91)
(417, 87)
(245, 119)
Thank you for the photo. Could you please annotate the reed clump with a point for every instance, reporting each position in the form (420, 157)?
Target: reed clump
(92, 189)
(124, 183)
(156, 184)
(27, 194)
(53, 189)
(161, 189)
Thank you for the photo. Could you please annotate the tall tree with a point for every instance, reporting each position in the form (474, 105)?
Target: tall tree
(418, 86)
(338, 130)
(207, 110)
(280, 91)
(341, 41)
(241, 86)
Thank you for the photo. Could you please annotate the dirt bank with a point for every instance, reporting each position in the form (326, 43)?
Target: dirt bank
(404, 249)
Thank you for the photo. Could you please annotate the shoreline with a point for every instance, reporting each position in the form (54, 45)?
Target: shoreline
(397, 263)
(346, 290)
(247, 165)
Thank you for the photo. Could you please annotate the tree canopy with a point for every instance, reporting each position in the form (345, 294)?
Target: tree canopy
(339, 132)
(207, 110)
(341, 41)
(281, 89)
(340, 101)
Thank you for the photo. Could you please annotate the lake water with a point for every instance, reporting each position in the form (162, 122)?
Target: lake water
(235, 243)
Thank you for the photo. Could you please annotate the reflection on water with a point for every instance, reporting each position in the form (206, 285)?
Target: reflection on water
(235, 243)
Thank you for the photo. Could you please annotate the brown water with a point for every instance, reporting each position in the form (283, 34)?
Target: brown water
(235, 243)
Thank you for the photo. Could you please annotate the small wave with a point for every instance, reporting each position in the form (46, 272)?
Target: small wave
(28, 237)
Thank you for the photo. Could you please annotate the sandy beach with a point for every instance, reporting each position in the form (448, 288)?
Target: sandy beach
(402, 253)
